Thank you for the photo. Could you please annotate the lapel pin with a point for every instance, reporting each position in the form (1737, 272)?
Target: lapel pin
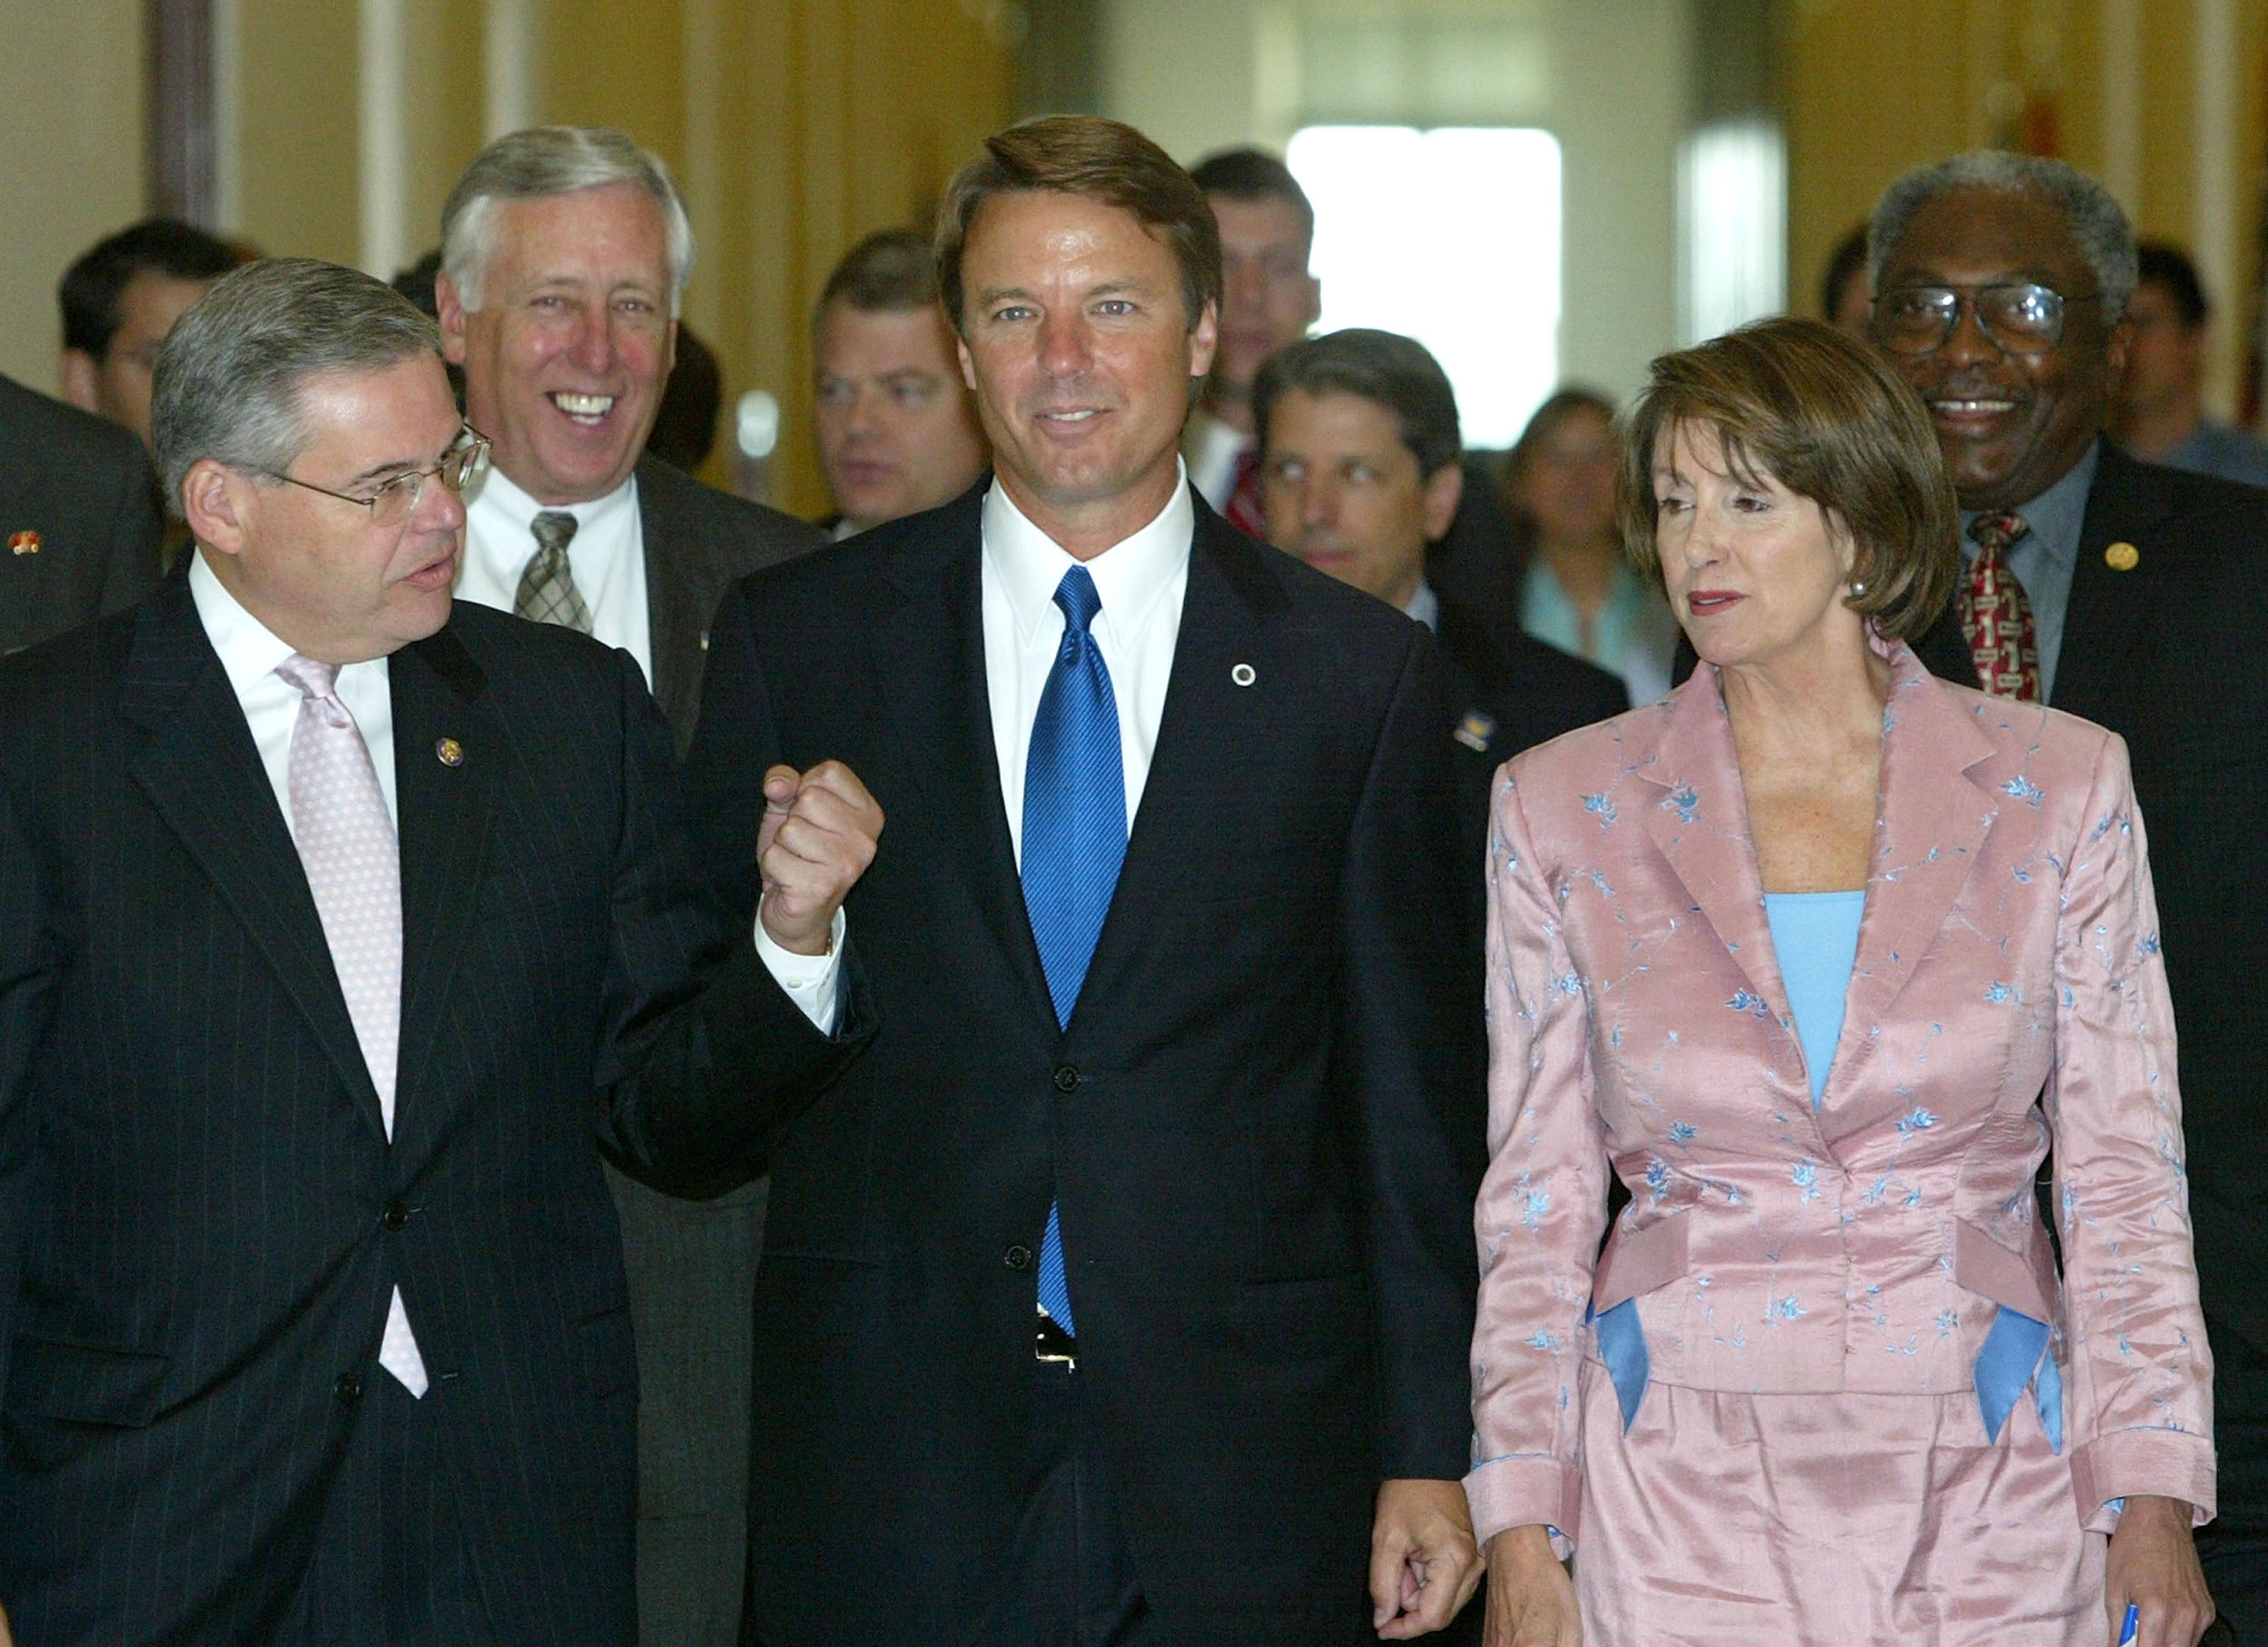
(2122, 557)
(24, 543)
(450, 752)
(1243, 674)
(1475, 730)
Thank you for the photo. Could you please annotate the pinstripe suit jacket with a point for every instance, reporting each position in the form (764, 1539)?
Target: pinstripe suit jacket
(201, 1217)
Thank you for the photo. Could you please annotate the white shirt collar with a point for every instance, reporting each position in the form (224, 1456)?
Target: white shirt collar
(248, 650)
(1128, 576)
(1423, 604)
(508, 514)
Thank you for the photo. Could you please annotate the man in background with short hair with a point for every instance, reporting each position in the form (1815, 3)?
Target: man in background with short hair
(120, 299)
(1268, 301)
(1361, 471)
(2158, 411)
(896, 426)
(563, 253)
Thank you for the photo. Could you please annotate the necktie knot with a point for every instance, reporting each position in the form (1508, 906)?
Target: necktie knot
(1994, 533)
(1076, 595)
(554, 530)
(319, 683)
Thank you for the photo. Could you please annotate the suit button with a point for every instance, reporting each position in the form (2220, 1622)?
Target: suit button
(1018, 1258)
(394, 1216)
(347, 1386)
(1066, 1078)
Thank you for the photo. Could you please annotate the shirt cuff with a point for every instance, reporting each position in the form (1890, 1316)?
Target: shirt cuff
(1522, 1489)
(811, 981)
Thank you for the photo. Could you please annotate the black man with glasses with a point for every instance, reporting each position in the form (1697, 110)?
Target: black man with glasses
(340, 927)
(2137, 597)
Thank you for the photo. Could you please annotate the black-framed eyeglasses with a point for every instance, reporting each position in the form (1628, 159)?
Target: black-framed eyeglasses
(2024, 319)
(391, 502)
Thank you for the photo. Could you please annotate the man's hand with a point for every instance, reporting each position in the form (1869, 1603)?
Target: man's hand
(2154, 1564)
(1424, 1564)
(1531, 1602)
(817, 838)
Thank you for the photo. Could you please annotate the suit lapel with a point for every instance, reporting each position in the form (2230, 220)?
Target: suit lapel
(2102, 624)
(928, 660)
(203, 775)
(1205, 733)
(671, 538)
(1701, 826)
(1933, 816)
(444, 809)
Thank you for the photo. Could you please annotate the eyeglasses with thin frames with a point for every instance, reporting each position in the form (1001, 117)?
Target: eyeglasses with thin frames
(391, 502)
(2023, 319)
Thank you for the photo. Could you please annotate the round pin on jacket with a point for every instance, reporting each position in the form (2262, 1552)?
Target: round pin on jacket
(1243, 674)
(2122, 557)
(451, 752)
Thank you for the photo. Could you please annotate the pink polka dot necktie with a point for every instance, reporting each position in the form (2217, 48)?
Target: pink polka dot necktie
(353, 863)
(1996, 617)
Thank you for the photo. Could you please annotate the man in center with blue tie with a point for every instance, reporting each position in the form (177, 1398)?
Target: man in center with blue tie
(1119, 1293)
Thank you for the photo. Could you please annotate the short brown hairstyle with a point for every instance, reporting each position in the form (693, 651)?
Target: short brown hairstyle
(890, 271)
(1821, 414)
(1102, 160)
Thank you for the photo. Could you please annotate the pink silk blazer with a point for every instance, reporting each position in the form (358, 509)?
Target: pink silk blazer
(2008, 988)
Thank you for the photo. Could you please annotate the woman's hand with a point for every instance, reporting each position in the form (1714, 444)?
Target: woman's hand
(1531, 1602)
(2154, 1565)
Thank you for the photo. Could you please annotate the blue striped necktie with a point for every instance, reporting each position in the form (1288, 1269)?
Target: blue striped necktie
(1074, 839)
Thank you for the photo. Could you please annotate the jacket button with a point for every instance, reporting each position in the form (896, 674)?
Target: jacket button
(347, 1386)
(1066, 1078)
(394, 1216)
(1018, 1258)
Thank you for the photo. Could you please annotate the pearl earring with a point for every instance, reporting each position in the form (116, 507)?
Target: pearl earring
(1857, 588)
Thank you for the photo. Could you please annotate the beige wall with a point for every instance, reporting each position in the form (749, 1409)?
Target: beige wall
(70, 126)
(793, 126)
(1875, 86)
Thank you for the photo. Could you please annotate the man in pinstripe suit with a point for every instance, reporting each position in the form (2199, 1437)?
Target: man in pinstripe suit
(338, 929)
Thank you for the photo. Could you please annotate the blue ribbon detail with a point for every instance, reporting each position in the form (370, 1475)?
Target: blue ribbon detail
(1074, 839)
(2015, 1350)
(1622, 1346)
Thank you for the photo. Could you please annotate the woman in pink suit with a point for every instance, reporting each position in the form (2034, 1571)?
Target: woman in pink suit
(1821, 954)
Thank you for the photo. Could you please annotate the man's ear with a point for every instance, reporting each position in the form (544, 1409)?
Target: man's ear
(1445, 489)
(214, 497)
(81, 379)
(453, 319)
(1204, 338)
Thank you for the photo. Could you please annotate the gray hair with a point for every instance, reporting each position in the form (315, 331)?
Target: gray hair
(229, 376)
(2095, 222)
(536, 164)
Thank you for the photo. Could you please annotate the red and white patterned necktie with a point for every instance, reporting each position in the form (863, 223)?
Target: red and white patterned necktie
(1995, 615)
(1244, 511)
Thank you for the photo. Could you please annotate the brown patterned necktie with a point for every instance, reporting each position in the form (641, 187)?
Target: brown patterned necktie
(1995, 615)
(548, 594)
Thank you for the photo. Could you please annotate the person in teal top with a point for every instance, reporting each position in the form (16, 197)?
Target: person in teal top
(1579, 592)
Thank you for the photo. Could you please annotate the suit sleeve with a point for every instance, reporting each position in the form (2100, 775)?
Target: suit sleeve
(704, 1059)
(27, 968)
(2141, 1386)
(1410, 1045)
(1543, 1205)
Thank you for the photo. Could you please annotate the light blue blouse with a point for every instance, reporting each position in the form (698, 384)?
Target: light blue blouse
(1815, 934)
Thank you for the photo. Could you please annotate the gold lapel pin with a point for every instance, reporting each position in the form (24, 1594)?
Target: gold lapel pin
(1243, 674)
(451, 752)
(2122, 557)
(24, 543)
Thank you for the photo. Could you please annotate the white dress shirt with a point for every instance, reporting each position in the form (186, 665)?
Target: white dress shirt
(1141, 581)
(606, 557)
(248, 655)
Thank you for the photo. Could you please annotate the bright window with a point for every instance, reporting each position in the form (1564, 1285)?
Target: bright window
(1451, 236)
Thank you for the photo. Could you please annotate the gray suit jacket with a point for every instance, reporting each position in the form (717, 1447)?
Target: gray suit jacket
(692, 1264)
(78, 514)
